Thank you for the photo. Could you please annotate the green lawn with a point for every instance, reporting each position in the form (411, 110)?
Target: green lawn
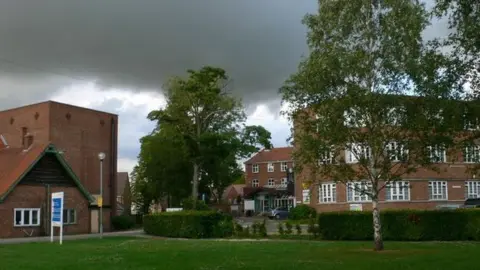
(128, 253)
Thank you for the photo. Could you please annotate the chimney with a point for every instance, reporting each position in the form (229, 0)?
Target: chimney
(27, 138)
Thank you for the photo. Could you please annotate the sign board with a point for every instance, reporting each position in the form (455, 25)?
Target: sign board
(356, 207)
(174, 209)
(57, 214)
(249, 205)
(99, 201)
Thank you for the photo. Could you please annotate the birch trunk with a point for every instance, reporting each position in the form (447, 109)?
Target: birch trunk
(195, 185)
(377, 226)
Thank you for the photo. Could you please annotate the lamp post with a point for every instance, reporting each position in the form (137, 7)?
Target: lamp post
(101, 157)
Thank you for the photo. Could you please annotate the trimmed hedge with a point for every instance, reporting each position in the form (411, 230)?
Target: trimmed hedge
(189, 224)
(403, 225)
(302, 211)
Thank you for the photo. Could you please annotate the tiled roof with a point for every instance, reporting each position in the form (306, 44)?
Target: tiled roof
(237, 187)
(16, 162)
(274, 154)
(122, 180)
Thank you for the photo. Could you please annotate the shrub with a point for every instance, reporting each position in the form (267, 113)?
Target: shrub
(403, 225)
(189, 224)
(187, 204)
(302, 212)
(262, 229)
(312, 229)
(123, 222)
(289, 228)
(281, 231)
(298, 229)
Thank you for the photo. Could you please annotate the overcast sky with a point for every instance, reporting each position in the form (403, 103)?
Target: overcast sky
(115, 55)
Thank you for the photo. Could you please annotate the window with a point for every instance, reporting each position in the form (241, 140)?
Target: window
(327, 193)
(27, 216)
(398, 191)
(327, 158)
(353, 117)
(357, 151)
(471, 154)
(69, 216)
(271, 182)
(255, 183)
(471, 123)
(120, 199)
(283, 166)
(472, 189)
(396, 116)
(437, 190)
(396, 151)
(284, 181)
(306, 195)
(255, 168)
(437, 154)
(270, 167)
(357, 191)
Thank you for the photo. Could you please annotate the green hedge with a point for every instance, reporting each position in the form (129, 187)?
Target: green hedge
(189, 224)
(123, 222)
(302, 211)
(403, 225)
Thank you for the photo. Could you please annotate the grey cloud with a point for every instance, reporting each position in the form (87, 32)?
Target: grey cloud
(138, 44)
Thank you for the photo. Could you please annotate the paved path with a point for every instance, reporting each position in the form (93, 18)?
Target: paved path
(70, 237)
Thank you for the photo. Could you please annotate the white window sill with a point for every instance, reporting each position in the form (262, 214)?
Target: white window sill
(437, 200)
(397, 200)
(335, 202)
(25, 226)
(359, 201)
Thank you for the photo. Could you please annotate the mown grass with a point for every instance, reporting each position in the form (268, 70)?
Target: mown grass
(138, 253)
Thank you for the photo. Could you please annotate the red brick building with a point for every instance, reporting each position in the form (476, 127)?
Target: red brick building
(27, 176)
(266, 178)
(448, 187)
(80, 134)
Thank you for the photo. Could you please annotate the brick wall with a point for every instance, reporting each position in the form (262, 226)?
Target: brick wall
(263, 175)
(24, 196)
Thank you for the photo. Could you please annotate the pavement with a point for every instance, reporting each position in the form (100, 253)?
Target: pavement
(133, 233)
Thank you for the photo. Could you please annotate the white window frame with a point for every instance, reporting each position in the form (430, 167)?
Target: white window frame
(437, 153)
(360, 149)
(397, 191)
(255, 168)
(270, 167)
(66, 218)
(471, 154)
(284, 181)
(328, 157)
(327, 193)
(471, 125)
(23, 210)
(355, 194)
(472, 189)
(283, 166)
(255, 183)
(271, 182)
(437, 190)
(352, 118)
(306, 196)
(395, 151)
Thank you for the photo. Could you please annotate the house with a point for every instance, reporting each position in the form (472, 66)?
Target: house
(266, 179)
(232, 193)
(80, 134)
(28, 175)
(425, 189)
(123, 194)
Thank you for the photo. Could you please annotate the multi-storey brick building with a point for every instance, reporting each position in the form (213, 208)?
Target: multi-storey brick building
(80, 134)
(266, 178)
(447, 187)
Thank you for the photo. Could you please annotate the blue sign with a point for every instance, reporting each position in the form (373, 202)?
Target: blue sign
(57, 210)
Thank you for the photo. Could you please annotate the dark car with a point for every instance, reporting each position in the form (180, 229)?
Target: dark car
(279, 213)
(472, 203)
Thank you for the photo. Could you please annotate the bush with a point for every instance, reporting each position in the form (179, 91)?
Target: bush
(189, 224)
(298, 228)
(302, 212)
(403, 225)
(123, 222)
(281, 231)
(289, 228)
(187, 204)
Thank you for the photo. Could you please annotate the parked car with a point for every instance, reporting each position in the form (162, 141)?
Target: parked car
(279, 213)
(472, 203)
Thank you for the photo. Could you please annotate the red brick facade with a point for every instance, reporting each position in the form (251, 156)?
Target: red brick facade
(276, 157)
(24, 196)
(81, 133)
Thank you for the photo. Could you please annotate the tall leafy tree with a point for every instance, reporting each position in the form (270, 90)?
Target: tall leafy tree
(366, 101)
(201, 110)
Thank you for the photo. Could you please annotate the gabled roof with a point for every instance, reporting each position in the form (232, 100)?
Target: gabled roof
(122, 180)
(274, 154)
(15, 163)
(237, 187)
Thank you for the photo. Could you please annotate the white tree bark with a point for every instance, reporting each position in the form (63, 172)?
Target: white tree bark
(377, 226)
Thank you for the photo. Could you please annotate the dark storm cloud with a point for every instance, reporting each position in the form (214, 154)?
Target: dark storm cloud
(137, 44)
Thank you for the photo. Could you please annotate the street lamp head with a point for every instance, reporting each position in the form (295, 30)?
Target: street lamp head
(290, 170)
(101, 156)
